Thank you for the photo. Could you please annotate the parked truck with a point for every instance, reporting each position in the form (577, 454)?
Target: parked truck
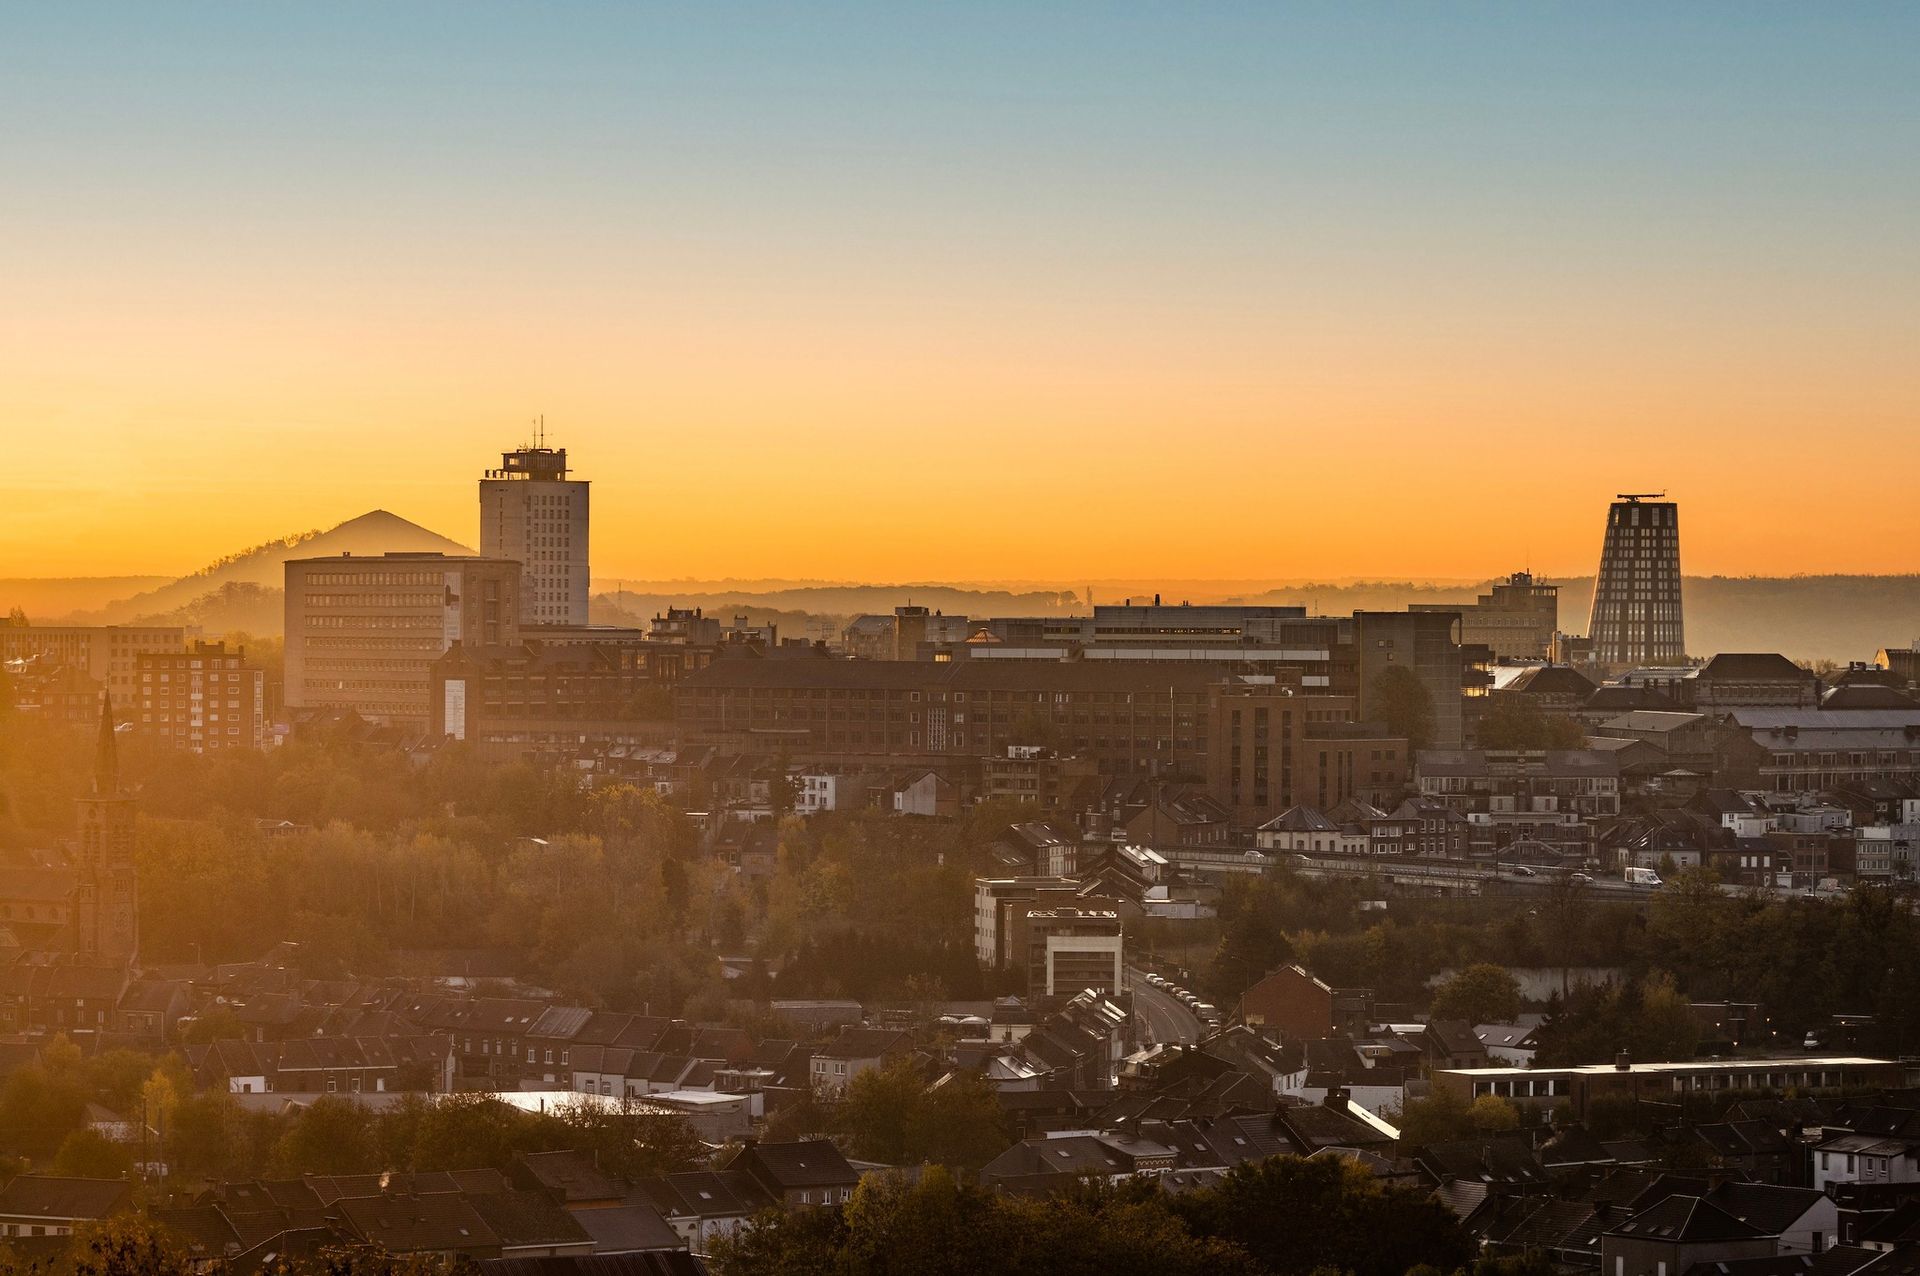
(1642, 877)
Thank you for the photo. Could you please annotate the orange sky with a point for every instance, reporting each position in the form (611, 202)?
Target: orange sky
(1234, 298)
(953, 447)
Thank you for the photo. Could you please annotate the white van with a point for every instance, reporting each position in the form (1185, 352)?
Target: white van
(1642, 877)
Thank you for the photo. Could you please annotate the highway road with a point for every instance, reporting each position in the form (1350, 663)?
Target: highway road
(1462, 876)
(1166, 1019)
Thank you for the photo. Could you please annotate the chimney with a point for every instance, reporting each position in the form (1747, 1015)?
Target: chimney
(1622, 1063)
(1337, 1097)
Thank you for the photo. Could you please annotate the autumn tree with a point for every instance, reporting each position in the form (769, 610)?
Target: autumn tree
(1482, 993)
(1338, 1217)
(893, 1115)
(1397, 697)
(89, 1154)
(1516, 722)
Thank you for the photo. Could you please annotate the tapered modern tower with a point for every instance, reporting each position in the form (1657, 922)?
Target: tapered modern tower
(1636, 596)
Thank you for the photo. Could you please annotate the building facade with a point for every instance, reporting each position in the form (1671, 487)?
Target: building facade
(1557, 798)
(531, 512)
(363, 632)
(1131, 717)
(201, 700)
(106, 653)
(1515, 621)
(1073, 949)
(1274, 747)
(551, 701)
(1429, 644)
(1637, 617)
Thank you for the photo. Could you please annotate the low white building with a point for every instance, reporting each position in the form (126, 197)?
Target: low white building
(813, 794)
(1866, 1158)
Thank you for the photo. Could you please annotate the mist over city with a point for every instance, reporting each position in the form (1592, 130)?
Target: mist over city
(758, 641)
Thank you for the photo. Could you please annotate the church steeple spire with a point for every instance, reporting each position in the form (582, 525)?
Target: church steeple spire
(106, 757)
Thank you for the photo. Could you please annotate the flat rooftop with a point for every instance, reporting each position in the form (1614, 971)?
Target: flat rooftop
(1696, 1065)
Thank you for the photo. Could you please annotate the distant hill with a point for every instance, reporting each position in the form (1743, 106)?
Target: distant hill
(240, 584)
(45, 598)
(1836, 618)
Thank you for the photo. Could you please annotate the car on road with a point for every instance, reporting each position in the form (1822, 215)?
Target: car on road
(1190, 1000)
(1521, 870)
(1580, 879)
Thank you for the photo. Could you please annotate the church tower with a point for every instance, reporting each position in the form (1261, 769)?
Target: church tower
(106, 901)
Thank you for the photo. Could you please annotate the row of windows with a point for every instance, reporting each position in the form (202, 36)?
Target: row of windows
(382, 600)
(380, 576)
(374, 622)
(1148, 700)
(373, 643)
(365, 664)
(159, 660)
(212, 681)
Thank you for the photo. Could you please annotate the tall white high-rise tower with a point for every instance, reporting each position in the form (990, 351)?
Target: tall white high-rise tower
(531, 511)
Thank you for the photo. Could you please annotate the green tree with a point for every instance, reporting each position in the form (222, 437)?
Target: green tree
(1491, 1114)
(89, 1154)
(936, 1226)
(630, 1141)
(126, 1245)
(463, 1130)
(212, 1137)
(216, 1023)
(892, 1115)
(1398, 698)
(1668, 1028)
(1482, 993)
(1441, 1117)
(1516, 722)
(781, 789)
(1253, 939)
(333, 1136)
(1338, 1217)
(43, 1102)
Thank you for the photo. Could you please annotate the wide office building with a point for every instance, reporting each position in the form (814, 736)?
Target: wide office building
(554, 701)
(1579, 1086)
(363, 631)
(1137, 718)
(109, 654)
(530, 511)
